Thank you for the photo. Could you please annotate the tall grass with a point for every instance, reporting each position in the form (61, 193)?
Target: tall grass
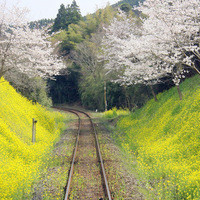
(20, 160)
(165, 138)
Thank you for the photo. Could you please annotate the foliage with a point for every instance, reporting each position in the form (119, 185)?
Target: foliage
(162, 42)
(42, 23)
(23, 49)
(164, 136)
(130, 2)
(91, 92)
(64, 89)
(66, 16)
(60, 21)
(35, 89)
(175, 27)
(131, 97)
(20, 160)
(114, 112)
(125, 54)
(72, 37)
(81, 31)
(39, 93)
(137, 95)
(125, 7)
(79, 45)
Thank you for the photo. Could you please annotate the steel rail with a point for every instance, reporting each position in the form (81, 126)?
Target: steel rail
(74, 153)
(75, 150)
(100, 156)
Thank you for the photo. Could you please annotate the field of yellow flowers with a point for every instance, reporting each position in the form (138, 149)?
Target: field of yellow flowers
(20, 160)
(164, 136)
(110, 114)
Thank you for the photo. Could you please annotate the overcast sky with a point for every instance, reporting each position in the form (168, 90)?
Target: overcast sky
(40, 9)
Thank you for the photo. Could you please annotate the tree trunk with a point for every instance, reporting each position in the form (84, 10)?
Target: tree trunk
(1, 73)
(154, 95)
(105, 96)
(127, 98)
(179, 92)
(128, 103)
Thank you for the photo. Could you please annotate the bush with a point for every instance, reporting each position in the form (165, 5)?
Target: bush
(110, 114)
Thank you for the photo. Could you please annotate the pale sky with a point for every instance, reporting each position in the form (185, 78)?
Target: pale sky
(40, 9)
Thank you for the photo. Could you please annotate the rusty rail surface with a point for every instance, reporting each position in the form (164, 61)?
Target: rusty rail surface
(106, 187)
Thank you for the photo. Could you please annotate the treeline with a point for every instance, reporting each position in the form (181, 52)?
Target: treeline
(130, 2)
(66, 16)
(93, 73)
(40, 24)
(86, 81)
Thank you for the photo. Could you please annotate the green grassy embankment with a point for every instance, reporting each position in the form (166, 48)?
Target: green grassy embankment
(164, 138)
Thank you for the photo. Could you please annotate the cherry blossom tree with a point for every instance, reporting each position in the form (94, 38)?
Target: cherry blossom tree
(174, 28)
(175, 23)
(24, 49)
(127, 51)
(166, 42)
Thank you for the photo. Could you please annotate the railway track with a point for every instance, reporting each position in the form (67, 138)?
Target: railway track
(87, 177)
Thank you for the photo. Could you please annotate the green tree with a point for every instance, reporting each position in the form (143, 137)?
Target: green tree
(74, 14)
(66, 16)
(64, 89)
(34, 89)
(60, 21)
(125, 7)
(130, 2)
(40, 24)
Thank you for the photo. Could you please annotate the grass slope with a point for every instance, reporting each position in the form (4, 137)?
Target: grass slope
(164, 136)
(20, 160)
